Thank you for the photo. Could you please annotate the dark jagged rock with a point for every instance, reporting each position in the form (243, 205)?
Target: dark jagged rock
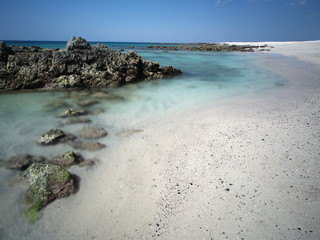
(79, 65)
(77, 44)
(23, 161)
(215, 47)
(46, 182)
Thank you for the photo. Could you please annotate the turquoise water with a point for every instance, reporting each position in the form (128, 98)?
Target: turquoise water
(62, 44)
(207, 77)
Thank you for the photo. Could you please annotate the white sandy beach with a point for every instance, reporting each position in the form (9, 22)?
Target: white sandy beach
(243, 168)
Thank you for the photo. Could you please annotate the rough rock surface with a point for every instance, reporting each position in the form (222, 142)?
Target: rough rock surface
(67, 159)
(46, 182)
(79, 65)
(54, 136)
(72, 112)
(215, 47)
(23, 161)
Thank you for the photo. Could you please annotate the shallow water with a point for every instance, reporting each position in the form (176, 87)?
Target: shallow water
(25, 116)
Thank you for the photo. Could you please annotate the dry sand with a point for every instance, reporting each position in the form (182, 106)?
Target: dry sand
(242, 168)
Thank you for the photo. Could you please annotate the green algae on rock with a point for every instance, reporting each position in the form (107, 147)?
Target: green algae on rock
(67, 159)
(46, 182)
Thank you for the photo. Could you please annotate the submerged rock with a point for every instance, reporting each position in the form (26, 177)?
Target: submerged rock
(74, 120)
(107, 96)
(127, 133)
(54, 136)
(46, 182)
(57, 104)
(23, 161)
(88, 102)
(90, 146)
(79, 65)
(71, 158)
(93, 132)
(86, 163)
(67, 159)
(97, 111)
(51, 137)
(72, 112)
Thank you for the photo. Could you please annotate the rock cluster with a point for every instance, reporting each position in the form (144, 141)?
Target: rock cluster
(79, 65)
(215, 47)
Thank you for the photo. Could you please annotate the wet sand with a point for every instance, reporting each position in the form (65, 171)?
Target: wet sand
(242, 168)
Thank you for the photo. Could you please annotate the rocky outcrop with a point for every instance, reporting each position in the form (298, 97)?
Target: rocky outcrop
(215, 47)
(79, 65)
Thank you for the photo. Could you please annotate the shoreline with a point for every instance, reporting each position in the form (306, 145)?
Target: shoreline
(242, 167)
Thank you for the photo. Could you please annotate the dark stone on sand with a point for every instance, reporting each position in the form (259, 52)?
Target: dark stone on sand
(79, 65)
(93, 132)
(23, 161)
(90, 146)
(46, 182)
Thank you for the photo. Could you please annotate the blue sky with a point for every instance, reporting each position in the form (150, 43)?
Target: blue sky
(161, 21)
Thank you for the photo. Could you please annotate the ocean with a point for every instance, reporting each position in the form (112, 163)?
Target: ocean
(25, 116)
